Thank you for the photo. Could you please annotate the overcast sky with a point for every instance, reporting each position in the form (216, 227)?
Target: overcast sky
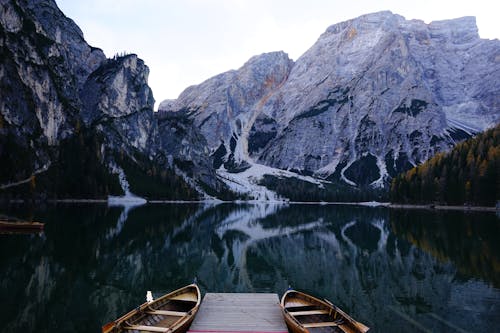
(185, 42)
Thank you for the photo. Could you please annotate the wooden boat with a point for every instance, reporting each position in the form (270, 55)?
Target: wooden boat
(171, 313)
(20, 227)
(307, 314)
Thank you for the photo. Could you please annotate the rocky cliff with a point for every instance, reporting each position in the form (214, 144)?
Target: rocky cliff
(225, 107)
(119, 103)
(45, 61)
(372, 97)
(70, 119)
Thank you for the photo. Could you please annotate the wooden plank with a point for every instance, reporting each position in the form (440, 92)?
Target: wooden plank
(239, 313)
(323, 324)
(147, 328)
(310, 312)
(167, 313)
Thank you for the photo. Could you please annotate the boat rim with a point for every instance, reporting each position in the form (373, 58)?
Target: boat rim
(324, 302)
(145, 305)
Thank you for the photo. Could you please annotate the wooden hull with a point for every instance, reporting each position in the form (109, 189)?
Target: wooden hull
(173, 313)
(20, 227)
(307, 314)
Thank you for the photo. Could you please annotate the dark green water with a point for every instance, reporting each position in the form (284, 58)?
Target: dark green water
(394, 270)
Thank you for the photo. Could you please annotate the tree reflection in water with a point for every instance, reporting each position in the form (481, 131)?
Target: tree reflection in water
(393, 270)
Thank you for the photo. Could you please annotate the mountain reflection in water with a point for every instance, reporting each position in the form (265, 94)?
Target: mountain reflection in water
(392, 270)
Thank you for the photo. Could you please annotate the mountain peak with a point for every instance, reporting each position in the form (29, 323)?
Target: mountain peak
(265, 66)
(459, 30)
(366, 22)
(372, 97)
(269, 56)
(453, 29)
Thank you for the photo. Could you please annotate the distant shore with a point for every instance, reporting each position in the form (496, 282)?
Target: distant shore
(441, 207)
(405, 206)
(364, 204)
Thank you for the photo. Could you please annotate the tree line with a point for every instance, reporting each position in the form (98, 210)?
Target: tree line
(335, 191)
(468, 174)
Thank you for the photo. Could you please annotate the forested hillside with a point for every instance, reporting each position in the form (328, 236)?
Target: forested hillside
(469, 174)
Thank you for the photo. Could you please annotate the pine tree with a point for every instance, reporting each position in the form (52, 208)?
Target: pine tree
(470, 173)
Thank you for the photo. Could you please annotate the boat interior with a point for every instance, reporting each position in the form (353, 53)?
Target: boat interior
(316, 317)
(162, 314)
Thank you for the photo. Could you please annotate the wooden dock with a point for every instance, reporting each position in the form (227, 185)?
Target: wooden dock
(255, 313)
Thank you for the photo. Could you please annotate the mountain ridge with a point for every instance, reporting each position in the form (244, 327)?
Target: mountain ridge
(374, 95)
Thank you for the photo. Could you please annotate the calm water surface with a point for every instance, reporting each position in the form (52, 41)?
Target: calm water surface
(394, 270)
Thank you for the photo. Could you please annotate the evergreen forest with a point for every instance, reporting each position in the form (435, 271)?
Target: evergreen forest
(467, 175)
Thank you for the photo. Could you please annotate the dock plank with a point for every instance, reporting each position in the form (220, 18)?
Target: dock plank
(239, 312)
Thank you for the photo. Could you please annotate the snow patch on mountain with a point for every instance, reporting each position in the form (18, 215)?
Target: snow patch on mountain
(127, 200)
(247, 182)
(384, 175)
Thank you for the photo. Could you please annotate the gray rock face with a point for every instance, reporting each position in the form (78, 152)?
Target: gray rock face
(45, 61)
(119, 103)
(55, 87)
(372, 97)
(185, 146)
(379, 92)
(224, 108)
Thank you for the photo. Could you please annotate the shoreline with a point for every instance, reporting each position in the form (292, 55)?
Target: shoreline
(372, 204)
(441, 207)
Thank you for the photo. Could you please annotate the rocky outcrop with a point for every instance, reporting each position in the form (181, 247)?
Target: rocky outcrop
(45, 61)
(186, 148)
(71, 117)
(119, 103)
(372, 97)
(224, 108)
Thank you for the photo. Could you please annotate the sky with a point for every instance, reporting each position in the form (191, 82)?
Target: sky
(185, 42)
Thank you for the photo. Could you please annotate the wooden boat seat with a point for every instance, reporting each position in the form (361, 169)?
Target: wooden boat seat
(310, 312)
(323, 324)
(166, 312)
(302, 308)
(147, 328)
(186, 297)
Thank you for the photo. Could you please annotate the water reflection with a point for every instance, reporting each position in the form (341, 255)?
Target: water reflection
(470, 241)
(393, 270)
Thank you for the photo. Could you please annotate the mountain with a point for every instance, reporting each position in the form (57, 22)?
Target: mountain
(71, 121)
(373, 97)
(468, 174)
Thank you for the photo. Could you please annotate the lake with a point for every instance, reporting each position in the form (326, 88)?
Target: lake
(394, 270)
